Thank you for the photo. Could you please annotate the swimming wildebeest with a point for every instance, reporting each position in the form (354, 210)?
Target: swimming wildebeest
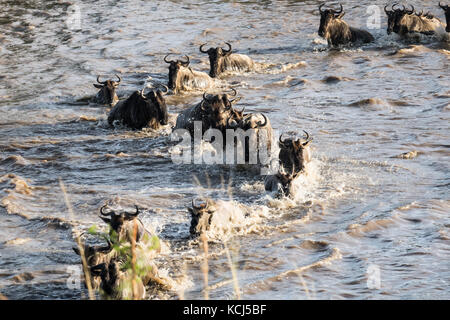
(447, 15)
(213, 111)
(337, 31)
(293, 157)
(281, 183)
(117, 284)
(123, 226)
(96, 254)
(182, 77)
(221, 60)
(107, 93)
(217, 218)
(256, 133)
(294, 153)
(141, 110)
(404, 22)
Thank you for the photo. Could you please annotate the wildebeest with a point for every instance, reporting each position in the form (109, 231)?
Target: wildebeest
(123, 226)
(280, 183)
(447, 16)
(404, 22)
(257, 131)
(117, 284)
(96, 254)
(218, 218)
(107, 93)
(141, 110)
(337, 31)
(213, 111)
(222, 60)
(294, 153)
(183, 78)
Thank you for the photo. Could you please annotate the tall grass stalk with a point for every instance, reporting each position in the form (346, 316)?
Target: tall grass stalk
(237, 290)
(204, 266)
(87, 274)
(133, 262)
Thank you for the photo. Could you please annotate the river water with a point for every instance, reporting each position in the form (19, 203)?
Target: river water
(365, 223)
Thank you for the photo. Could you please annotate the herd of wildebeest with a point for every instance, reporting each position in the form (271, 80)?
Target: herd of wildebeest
(216, 111)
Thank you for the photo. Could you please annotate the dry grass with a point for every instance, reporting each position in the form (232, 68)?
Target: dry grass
(237, 290)
(204, 265)
(87, 274)
(133, 262)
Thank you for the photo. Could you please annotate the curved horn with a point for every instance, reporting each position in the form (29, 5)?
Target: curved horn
(443, 7)
(231, 125)
(394, 5)
(259, 124)
(307, 135)
(320, 7)
(385, 9)
(234, 91)
(134, 214)
(142, 93)
(229, 48)
(98, 80)
(165, 87)
(120, 79)
(104, 213)
(185, 63)
(201, 50)
(412, 9)
(167, 61)
(205, 96)
(200, 206)
(235, 100)
(342, 8)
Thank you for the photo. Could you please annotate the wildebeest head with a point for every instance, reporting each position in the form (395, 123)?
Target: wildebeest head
(91, 253)
(218, 109)
(109, 274)
(447, 16)
(157, 99)
(285, 181)
(201, 215)
(326, 18)
(295, 153)
(107, 93)
(117, 220)
(395, 16)
(216, 57)
(141, 110)
(174, 68)
(249, 121)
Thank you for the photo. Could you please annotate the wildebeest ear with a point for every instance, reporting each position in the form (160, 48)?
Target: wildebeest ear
(98, 86)
(340, 16)
(191, 211)
(77, 251)
(305, 144)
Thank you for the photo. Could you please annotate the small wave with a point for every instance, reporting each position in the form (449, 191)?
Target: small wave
(359, 230)
(368, 102)
(335, 79)
(408, 155)
(14, 160)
